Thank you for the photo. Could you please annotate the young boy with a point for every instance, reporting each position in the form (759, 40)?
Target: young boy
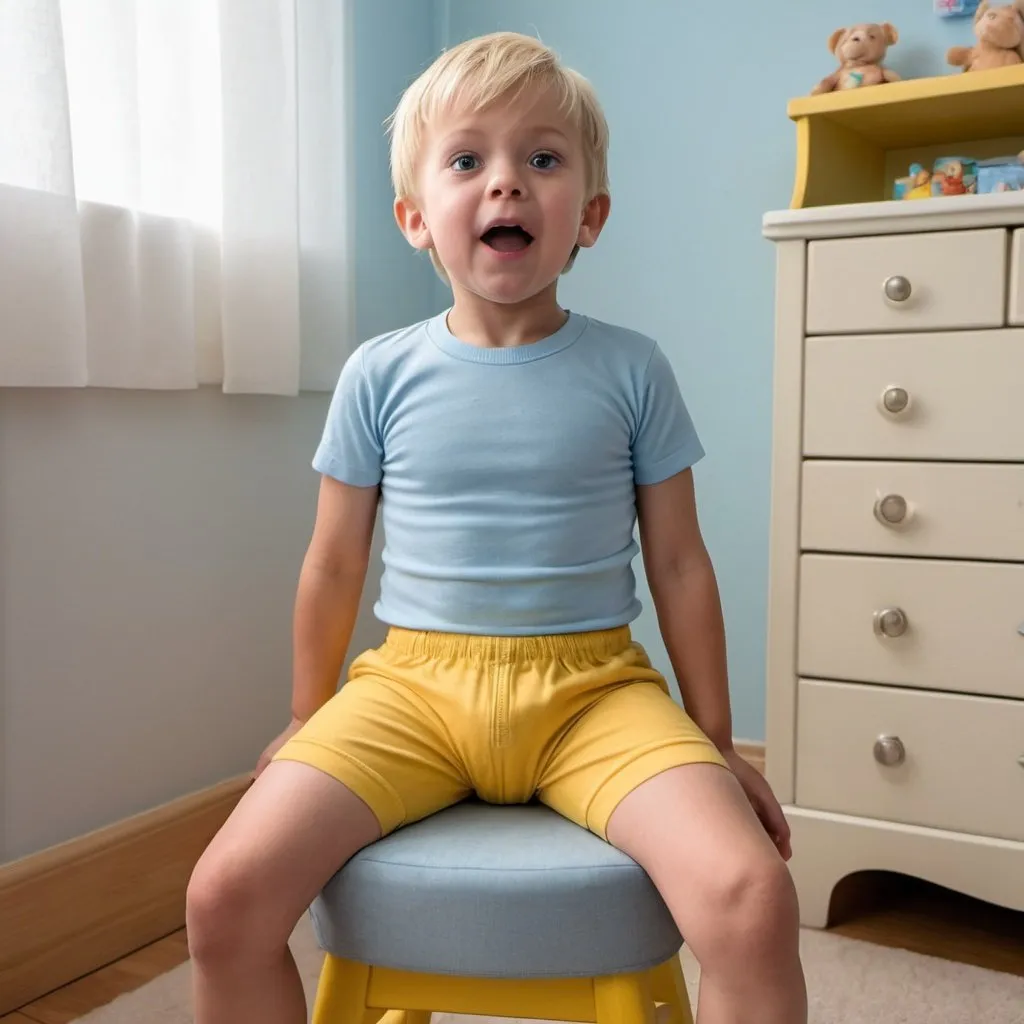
(514, 445)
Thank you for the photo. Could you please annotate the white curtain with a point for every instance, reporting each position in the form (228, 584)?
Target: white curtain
(173, 195)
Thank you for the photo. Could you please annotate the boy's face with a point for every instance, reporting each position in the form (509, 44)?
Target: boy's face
(502, 197)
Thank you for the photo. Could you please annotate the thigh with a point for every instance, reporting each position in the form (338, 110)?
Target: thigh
(695, 833)
(381, 738)
(693, 821)
(628, 735)
(290, 832)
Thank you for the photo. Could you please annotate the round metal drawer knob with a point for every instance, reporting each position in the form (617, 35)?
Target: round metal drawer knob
(891, 622)
(897, 289)
(895, 399)
(891, 510)
(889, 750)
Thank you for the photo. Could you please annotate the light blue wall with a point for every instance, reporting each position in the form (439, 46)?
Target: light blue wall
(393, 40)
(682, 257)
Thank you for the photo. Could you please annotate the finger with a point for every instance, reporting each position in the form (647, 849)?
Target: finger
(783, 845)
(777, 824)
(778, 828)
(771, 812)
(772, 820)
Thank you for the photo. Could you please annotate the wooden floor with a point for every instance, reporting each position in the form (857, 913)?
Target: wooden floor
(95, 990)
(891, 911)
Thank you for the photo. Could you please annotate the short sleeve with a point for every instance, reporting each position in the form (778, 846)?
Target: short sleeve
(350, 449)
(666, 441)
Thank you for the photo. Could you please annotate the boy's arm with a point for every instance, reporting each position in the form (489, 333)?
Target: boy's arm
(685, 592)
(329, 590)
(686, 599)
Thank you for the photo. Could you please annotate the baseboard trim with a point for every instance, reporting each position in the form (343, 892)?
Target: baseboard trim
(76, 907)
(752, 753)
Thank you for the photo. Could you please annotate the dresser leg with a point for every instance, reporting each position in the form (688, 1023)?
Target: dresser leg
(815, 875)
(815, 894)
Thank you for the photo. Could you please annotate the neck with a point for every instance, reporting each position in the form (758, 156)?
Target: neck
(477, 321)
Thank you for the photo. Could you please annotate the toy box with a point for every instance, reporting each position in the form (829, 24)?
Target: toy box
(954, 176)
(956, 8)
(1003, 174)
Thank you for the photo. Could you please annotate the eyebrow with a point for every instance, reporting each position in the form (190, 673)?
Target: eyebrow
(462, 133)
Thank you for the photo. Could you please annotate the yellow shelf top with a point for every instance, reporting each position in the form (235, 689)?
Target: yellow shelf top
(947, 108)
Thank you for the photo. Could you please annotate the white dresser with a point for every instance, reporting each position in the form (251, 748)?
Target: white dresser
(895, 703)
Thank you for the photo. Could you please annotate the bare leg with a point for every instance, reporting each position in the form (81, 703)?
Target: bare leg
(694, 832)
(291, 831)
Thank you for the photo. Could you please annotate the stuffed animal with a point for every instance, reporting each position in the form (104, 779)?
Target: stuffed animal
(1000, 32)
(860, 50)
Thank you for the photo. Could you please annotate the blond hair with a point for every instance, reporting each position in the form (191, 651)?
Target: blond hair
(480, 72)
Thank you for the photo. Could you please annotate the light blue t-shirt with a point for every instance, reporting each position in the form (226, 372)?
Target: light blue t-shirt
(507, 474)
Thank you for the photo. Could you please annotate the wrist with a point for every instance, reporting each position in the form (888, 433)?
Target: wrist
(725, 744)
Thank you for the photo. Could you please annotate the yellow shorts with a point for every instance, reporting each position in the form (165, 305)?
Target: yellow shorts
(577, 721)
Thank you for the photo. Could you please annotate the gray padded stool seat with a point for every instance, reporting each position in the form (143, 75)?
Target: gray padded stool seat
(495, 892)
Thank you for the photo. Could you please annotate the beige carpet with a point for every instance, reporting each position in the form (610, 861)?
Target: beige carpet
(849, 983)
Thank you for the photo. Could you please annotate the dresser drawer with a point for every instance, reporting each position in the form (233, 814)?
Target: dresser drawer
(946, 396)
(1017, 278)
(955, 759)
(941, 509)
(964, 623)
(953, 279)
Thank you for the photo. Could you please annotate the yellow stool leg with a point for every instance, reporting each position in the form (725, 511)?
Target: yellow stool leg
(624, 999)
(405, 1017)
(670, 988)
(341, 992)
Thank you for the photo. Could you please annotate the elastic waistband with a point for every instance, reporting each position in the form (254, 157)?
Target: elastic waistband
(510, 649)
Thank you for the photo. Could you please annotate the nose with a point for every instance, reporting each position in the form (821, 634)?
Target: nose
(506, 182)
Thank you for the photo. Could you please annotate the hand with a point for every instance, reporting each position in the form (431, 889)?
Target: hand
(762, 799)
(275, 745)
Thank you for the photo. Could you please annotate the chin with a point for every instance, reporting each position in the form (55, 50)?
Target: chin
(501, 289)
(512, 296)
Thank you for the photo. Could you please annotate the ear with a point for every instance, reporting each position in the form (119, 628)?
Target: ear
(891, 35)
(410, 222)
(835, 39)
(593, 220)
(982, 8)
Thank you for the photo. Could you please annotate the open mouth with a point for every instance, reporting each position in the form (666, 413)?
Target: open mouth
(507, 238)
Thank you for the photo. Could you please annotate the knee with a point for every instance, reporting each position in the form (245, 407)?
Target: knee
(753, 911)
(223, 914)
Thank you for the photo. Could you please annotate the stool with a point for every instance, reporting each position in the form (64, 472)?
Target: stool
(507, 911)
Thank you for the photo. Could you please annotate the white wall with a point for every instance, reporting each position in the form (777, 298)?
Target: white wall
(149, 548)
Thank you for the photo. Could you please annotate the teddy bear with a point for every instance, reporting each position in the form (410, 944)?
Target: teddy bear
(860, 50)
(1000, 33)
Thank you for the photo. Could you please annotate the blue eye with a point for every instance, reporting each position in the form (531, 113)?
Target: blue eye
(464, 162)
(543, 161)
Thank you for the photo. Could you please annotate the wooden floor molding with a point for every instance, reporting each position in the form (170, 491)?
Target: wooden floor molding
(76, 907)
(81, 997)
(752, 753)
